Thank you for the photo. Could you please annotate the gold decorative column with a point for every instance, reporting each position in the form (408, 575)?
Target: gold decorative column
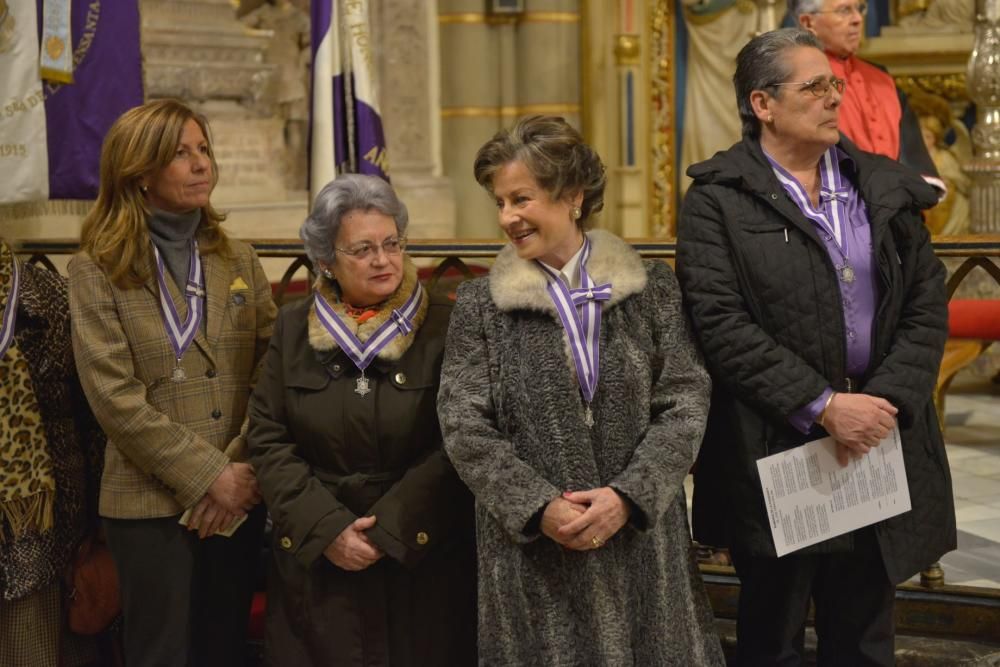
(984, 89)
(627, 170)
(662, 128)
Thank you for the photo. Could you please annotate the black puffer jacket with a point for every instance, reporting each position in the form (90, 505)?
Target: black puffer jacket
(768, 315)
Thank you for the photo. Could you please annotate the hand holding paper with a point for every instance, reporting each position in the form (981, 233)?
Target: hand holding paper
(811, 497)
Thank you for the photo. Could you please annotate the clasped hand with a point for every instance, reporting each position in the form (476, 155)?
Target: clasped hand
(583, 520)
(858, 422)
(353, 550)
(233, 493)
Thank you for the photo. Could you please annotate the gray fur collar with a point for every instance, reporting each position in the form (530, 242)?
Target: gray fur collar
(321, 340)
(518, 284)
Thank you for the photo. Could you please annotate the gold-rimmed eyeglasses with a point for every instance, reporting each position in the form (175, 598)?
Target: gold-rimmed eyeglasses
(819, 86)
(846, 11)
(365, 250)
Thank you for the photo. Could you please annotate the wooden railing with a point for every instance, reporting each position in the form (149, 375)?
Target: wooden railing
(931, 608)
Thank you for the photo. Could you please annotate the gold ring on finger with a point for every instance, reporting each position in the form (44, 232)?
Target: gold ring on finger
(596, 541)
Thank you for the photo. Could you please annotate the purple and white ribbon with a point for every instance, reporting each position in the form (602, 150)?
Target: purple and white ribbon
(182, 334)
(834, 197)
(400, 323)
(10, 310)
(580, 314)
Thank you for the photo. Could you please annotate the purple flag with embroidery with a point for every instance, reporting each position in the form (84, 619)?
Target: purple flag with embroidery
(107, 80)
(345, 124)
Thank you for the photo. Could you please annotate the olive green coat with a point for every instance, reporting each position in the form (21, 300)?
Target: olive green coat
(325, 456)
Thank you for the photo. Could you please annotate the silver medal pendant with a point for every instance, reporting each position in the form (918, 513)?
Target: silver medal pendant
(178, 375)
(847, 273)
(362, 387)
(588, 417)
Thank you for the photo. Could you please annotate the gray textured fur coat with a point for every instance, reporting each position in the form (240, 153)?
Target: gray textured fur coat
(513, 424)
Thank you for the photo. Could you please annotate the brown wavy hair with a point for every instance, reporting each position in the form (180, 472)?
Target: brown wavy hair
(141, 142)
(555, 154)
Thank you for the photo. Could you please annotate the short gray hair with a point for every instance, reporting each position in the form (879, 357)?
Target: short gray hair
(760, 64)
(797, 8)
(346, 193)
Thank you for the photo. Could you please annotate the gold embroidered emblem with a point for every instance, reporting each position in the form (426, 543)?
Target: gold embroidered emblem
(238, 284)
(6, 27)
(54, 46)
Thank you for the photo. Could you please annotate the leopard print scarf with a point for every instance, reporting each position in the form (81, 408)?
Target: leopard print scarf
(27, 485)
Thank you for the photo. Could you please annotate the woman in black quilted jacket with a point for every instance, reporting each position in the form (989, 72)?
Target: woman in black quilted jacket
(821, 310)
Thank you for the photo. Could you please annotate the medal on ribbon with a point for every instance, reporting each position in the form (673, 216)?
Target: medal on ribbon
(182, 334)
(10, 309)
(580, 313)
(400, 322)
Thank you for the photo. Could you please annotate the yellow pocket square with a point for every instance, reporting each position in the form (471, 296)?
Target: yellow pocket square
(238, 285)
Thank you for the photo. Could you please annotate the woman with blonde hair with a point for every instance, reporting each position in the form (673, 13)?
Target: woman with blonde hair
(170, 320)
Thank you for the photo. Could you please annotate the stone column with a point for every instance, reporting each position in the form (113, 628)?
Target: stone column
(984, 89)
(495, 69)
(197, 51)
(409, 91)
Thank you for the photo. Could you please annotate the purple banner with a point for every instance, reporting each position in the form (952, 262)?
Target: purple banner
(370, 140)
(107, 75)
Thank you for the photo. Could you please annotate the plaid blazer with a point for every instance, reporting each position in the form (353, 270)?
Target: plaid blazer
(168, 441)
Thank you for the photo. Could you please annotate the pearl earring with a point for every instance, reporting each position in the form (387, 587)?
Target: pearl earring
(577, 212)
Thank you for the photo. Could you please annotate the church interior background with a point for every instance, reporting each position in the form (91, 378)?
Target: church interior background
(648, 83)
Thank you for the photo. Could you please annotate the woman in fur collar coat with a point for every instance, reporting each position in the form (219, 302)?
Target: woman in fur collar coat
(572, 403)
(372, 557)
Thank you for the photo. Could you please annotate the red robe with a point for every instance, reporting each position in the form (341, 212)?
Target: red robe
(870, 112)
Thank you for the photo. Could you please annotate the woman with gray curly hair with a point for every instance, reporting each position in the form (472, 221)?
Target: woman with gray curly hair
(572, 403)
(372, 552)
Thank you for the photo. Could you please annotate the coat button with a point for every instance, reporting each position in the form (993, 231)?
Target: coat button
(286, 542)
(400, 378)
(216, 413)
(422, 538)
(210, 373)
(774, 196)
(336, 368)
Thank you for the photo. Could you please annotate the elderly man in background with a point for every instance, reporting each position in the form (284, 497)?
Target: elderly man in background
(874, 113)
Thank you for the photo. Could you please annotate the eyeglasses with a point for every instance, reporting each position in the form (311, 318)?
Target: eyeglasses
(846, 11)
(818, 87)
(365, 250)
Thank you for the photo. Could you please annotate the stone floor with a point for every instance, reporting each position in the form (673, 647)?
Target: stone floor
(972, 434)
